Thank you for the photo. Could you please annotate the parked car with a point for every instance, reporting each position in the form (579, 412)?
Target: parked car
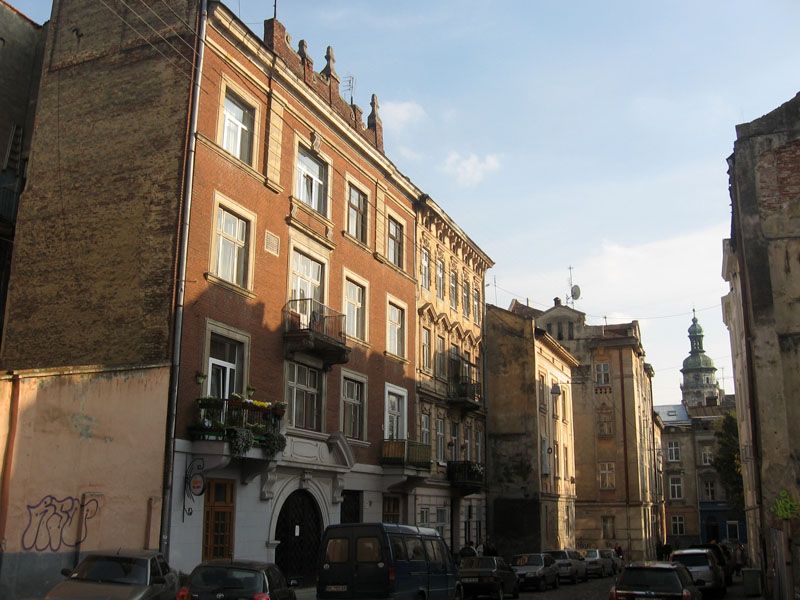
(488, 576)
(385, 560)
(129, 574)
(571, 565)
(598, 564)
(720, 554)
(616, 561)
(663, 580)
(225, 579)
(535, 570)
(702, 564)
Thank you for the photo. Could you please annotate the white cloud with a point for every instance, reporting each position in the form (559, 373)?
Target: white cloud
(398, 116)
(409, 154)
(470, 170)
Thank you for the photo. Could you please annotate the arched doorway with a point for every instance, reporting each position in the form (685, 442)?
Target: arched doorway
(298, 532)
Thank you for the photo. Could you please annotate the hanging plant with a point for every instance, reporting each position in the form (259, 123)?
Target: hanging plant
(240, 440)
(273, 443)
(785, 507)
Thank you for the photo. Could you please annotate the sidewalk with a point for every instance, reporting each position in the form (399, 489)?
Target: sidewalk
(735, 591)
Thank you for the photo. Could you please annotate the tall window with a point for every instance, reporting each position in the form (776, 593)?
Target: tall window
(608, 477)
(396, 330)
(425, 429)
(602, 374)
(440, 440)
(453, 443)
(306, 284)
(225, 366)
(542, 393)
(609, 532)
(355, 309)
(605, 423)
(441, 359)
(425, 268)
(478, 445)
(237, 132)
(357, 214)
(395, 420)
(675, 487)
(353, 398)
(391, 509)
(440, 279)
(312, 181)
(394, 244)
(707, 455)
(673, 451)
(303, 396)
(476, 305)
(453, 290)
(230, 262)
(468, 441)
(465, 298)
(677, 525)
(426, 349)
(710, 489)
(566, 462)
(556, 463)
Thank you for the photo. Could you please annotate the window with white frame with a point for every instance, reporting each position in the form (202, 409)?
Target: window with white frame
(453, 290)
(303, 397)
(478, 445)
(609, 532)
(237, 128)
(312, 181)
(465, 303)
(396, 324)
(357, 214)
(225, 366)
(468, 441)
(673, 451)
(426, 349)
(440, 440)
(425, 429)
(440, 279)
(707, 455)
(394, 425)
(710, 489)
(605, 423)
(355, 309)
(453, 443)
(307, 285)
(424, 516)
(232, 247)
(441, 359)
(394, 243)
(602, 373)
(677, 525)
(353, 399)
(476, 305)
(675, 487)
(608, 476)
(425, 268)
(441, 520)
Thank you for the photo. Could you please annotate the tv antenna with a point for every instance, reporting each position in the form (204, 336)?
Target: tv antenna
(574, 291)
(350, 86)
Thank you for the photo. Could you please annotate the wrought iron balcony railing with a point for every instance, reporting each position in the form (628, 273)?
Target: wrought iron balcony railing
(312, 327)
(465, 473)
(406, 452)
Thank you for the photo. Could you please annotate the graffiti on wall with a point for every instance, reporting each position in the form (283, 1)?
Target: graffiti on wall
(52, 523)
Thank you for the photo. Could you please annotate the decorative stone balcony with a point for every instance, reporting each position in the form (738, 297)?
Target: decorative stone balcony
(312, 328)
(467, 476)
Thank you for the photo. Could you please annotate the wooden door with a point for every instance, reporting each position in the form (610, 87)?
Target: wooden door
(218, 519)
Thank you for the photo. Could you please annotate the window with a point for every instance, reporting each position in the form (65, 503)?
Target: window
(555, 398)
(453, 443)
(453, 290)
(602, 374)
(673, 451)
(556, 463)
(424, 516)
(468, 441)
(396, 323)
(543, 448)
(237, 129)
(303, 396)
(608, 527)
(353, 398)
(478, 446)
(732, 528)
(425, 268)
(605, 423)
(232, 248)
(440, 279)
(707, 455)
(441, 364)
(391, 509)
(355, 309)
(440, 440)
(312, 181)
(566, 462)
(607, 476)
(677, 525)
(465, 298)
(676, 487)
(357, 214)
(426, 349)
(394, 425)
(394, 244)
(225, 366)
(710, 490)
(476, 305)
(542, 394)
(306, 284)
(425, 429)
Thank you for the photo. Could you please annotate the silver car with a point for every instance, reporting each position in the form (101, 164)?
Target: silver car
(707, 573)
(535, 570)
(571, 565)
(598, 563)
(114, 575)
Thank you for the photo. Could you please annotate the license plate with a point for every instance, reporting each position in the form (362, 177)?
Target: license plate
(336, 588)
(469, 580)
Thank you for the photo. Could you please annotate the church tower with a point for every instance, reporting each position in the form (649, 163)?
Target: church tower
(699, 387)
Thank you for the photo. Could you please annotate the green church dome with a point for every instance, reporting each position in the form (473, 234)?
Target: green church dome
(698, 361)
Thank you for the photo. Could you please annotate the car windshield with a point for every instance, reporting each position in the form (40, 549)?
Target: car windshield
(112, 569)
(592, 554)
(691, 560)
(652, 580)
(558, 554)
(527, 560)
(245, 581)
(477, 562)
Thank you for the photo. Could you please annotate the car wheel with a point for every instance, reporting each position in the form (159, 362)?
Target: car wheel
(542, 587)
(556, 582)
(500, 594)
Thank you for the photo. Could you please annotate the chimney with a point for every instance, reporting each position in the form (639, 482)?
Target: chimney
(358, 117)
(274, 35)
(374, 124)
(556, 301)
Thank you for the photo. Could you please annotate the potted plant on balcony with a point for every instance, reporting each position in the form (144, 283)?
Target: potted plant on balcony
(208, 429)
(240, 440)
(273, 442)
(279, 409)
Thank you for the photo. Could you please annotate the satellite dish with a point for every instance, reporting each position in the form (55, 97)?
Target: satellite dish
(575, 292)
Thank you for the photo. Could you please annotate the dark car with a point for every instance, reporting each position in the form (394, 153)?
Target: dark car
(535, 570)
(488, 576)
(129, 574)
(723, 557)
(661, 580)
(236, 580)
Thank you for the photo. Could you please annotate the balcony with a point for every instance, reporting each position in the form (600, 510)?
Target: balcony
(9, 200)
(312, 328)
(466, 475)
(464, 390)
(406, 453)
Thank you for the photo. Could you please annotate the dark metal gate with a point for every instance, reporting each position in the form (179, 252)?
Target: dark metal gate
(298, 532)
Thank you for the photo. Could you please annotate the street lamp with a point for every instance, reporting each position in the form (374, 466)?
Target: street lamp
(555, 391)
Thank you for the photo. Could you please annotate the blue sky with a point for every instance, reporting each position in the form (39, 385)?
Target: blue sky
(590, 134)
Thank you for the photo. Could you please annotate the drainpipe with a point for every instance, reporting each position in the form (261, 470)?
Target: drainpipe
(625, 450)
(8, 462)
(177, 329)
